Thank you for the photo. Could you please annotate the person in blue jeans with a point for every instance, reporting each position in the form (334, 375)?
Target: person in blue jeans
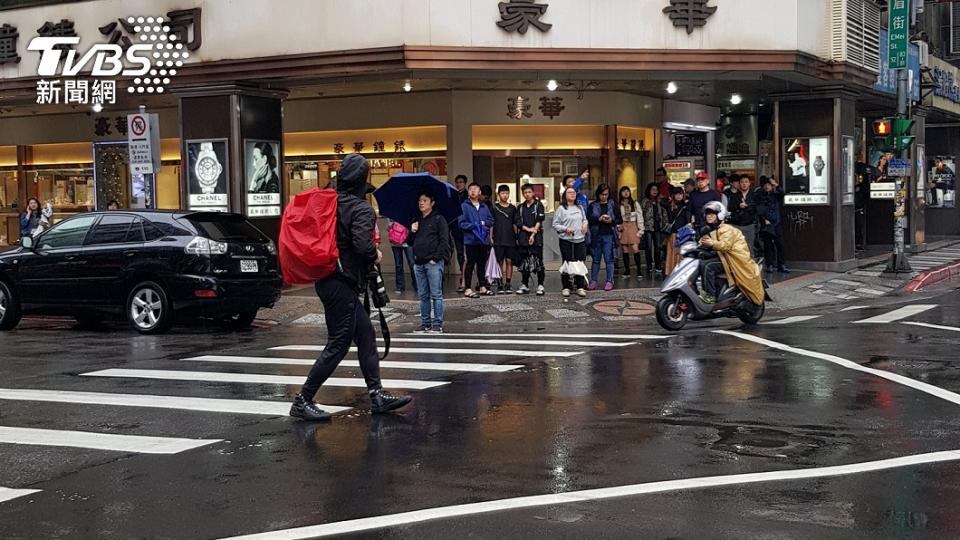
(604, 218)
(431, 251)
(400, 245)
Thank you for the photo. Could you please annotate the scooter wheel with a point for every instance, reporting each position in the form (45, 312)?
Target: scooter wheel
(753, 314)
(669, 314)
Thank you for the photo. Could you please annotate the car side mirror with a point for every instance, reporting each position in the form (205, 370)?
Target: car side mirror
(27, 242)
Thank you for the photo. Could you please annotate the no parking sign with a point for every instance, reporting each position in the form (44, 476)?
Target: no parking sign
(143, 136)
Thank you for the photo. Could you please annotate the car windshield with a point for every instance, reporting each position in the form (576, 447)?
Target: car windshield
(225, 228)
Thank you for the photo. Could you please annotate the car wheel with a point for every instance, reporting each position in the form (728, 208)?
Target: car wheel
(242, 321)
(148, 309)
(9, 308)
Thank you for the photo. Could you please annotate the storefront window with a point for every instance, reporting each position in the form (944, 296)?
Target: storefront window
(9, 204)
(941, 192)
(68, 190)
(304, 175)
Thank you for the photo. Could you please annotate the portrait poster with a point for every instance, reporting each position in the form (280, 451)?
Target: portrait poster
(207, 175)
(261, 166)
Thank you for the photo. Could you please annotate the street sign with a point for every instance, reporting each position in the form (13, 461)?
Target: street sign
(898, 167)
(143, 138)
(899, 37)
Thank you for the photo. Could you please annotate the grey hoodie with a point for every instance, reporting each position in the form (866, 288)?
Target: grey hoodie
(571, 217)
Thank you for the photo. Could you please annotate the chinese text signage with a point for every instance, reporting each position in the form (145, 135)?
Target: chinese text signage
(899, 38)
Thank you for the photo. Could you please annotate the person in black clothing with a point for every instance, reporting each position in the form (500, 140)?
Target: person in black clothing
(742, 207)
(770, 203)
(861, 196)
(347, 320)
(430, 254)
(530, 217)
(505, 237)
(461, 184)
(700, 197)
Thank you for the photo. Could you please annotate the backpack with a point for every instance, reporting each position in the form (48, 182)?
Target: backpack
(398, 234)
(308, 237)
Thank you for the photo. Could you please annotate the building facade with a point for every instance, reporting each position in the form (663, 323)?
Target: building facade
(492, 90)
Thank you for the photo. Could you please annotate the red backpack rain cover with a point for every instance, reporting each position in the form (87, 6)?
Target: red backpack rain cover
(308, 237)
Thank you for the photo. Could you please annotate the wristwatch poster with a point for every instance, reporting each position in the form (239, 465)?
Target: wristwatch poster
(208, 179)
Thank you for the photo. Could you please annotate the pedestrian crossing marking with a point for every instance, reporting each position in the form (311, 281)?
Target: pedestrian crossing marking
(137, 444)
(453, 352)
(897, 314)
(572, 336)
(854, 308)
(791, 320)
(384, 364)
(934, 326)
(492, 341)
(238, 406)
(8, 494)
(253, 378)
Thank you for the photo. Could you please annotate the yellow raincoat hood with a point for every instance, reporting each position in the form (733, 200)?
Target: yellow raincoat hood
(740, 268)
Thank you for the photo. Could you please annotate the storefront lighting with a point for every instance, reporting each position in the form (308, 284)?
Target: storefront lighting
(552, 85)
(688, 127)
(672, 87)
(736, 99)
(407, 87)
(97, 107)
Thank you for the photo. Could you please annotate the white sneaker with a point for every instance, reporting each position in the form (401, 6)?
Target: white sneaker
(566, 293)
(540, 291)
(581, 293)
(523, 289)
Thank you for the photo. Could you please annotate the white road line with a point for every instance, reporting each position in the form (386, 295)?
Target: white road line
(7, 494)
(100, 441)
(935, 326)
(897, 314)
(252, 378)
(854, 308)
(791, 320)
(492, 341)
(502, 505)
(565, 336)
(893, 377)
(237, 406)
(386, 364)
(451, 352)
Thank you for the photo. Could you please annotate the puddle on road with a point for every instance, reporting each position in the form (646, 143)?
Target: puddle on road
(762, 442)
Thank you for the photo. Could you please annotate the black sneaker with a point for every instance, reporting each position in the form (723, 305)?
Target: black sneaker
(308, 410)
(422, 330)
(382, 402)
(436, 330)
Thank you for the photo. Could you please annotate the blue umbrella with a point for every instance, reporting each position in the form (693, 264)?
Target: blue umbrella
(399, 197)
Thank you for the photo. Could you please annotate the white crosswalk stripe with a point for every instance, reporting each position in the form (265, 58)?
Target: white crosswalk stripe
(445, 351)
(934, 326)
(7, 494)
(897, 314)
(494, 341)
(237, 406)
(791, 320)
(253, 378)
(385, 364)
(567, 336)
(100, 441)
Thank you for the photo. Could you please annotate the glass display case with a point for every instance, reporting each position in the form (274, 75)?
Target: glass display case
(70, 191)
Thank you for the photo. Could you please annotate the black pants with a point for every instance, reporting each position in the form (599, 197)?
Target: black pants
(654, 247)
(712, 282)
(572, 252)
(476, 259)
(347, 323)
(773, 248)
(535, 251)
(860, 223)
(461, 253)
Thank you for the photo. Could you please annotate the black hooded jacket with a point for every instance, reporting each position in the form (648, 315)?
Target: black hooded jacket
(355, 222)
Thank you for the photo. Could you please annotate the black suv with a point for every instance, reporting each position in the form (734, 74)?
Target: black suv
(149, 266)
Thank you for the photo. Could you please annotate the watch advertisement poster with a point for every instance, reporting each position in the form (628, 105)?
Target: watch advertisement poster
(806, 171)
(261, 167)
(849, 168)
(207, 173)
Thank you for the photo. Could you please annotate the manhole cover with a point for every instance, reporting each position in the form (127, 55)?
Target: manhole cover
(750, 441)
(623, 308)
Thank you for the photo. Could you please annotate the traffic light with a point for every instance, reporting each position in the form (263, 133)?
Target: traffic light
(892, 134)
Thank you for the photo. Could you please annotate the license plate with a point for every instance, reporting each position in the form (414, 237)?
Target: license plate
(250, 267)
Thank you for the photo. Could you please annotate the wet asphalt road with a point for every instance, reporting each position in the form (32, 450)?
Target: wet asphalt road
(693, 405)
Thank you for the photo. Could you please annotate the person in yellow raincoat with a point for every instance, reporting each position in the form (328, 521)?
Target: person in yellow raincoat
(734, 254)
